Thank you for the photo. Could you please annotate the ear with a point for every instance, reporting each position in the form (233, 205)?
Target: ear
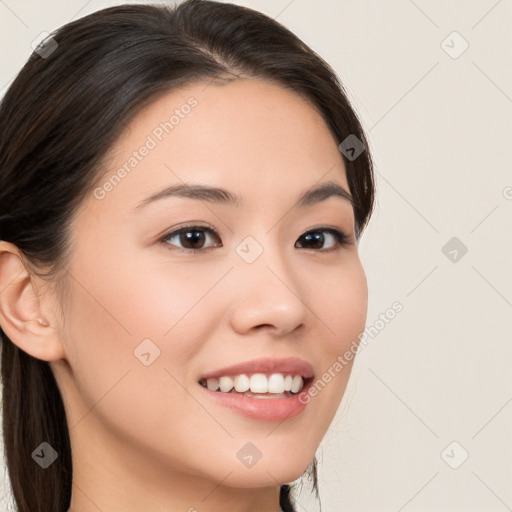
(25, 315)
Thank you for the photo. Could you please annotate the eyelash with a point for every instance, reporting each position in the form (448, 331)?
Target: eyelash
(341, 238)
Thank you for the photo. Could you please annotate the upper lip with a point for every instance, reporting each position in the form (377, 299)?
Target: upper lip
(290, 365)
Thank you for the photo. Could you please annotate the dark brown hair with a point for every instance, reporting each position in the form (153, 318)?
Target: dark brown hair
(59, 118)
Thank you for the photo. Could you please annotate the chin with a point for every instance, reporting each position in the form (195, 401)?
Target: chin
(267, 475)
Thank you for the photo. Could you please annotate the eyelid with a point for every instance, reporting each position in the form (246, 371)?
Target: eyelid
(326, 227)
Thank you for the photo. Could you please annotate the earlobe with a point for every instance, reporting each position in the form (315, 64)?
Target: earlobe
(21, 314)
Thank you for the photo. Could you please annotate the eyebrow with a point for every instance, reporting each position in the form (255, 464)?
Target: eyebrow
(217, 195)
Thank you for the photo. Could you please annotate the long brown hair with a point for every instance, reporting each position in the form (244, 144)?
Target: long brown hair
(59, 117)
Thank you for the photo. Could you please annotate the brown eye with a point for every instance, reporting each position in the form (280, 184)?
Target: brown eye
(190, 238)
(315, 239)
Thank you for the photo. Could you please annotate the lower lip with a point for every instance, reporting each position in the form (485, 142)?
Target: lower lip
(263, 409)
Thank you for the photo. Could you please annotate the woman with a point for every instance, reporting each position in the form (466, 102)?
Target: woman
(182, 192)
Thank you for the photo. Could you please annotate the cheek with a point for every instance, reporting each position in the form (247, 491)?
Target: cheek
(129, 299)
(106, 321)
(341, 301)
(120, 311)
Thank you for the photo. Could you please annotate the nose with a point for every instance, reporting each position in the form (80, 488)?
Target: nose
(268, 296)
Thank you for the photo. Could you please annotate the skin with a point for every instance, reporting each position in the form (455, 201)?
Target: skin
(147, 437)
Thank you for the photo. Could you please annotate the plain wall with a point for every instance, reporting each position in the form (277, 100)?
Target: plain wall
(440, 130)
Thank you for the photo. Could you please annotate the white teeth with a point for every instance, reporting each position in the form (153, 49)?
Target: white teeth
(288, 382)
(242, 383)
(212, 384)
(276, 383)
(226, 384)
(297, 384)
(259, 383)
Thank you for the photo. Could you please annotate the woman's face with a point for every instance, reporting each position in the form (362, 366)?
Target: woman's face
(149, 313)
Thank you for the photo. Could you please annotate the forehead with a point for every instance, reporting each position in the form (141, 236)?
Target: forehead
(255, 137)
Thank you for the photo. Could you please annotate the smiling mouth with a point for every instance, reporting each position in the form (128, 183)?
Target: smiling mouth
(258, 385)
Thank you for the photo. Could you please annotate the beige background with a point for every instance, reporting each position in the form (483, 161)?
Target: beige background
(440, 129)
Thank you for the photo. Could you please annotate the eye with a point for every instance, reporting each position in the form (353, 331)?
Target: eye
(315, 239)
(192, 238)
